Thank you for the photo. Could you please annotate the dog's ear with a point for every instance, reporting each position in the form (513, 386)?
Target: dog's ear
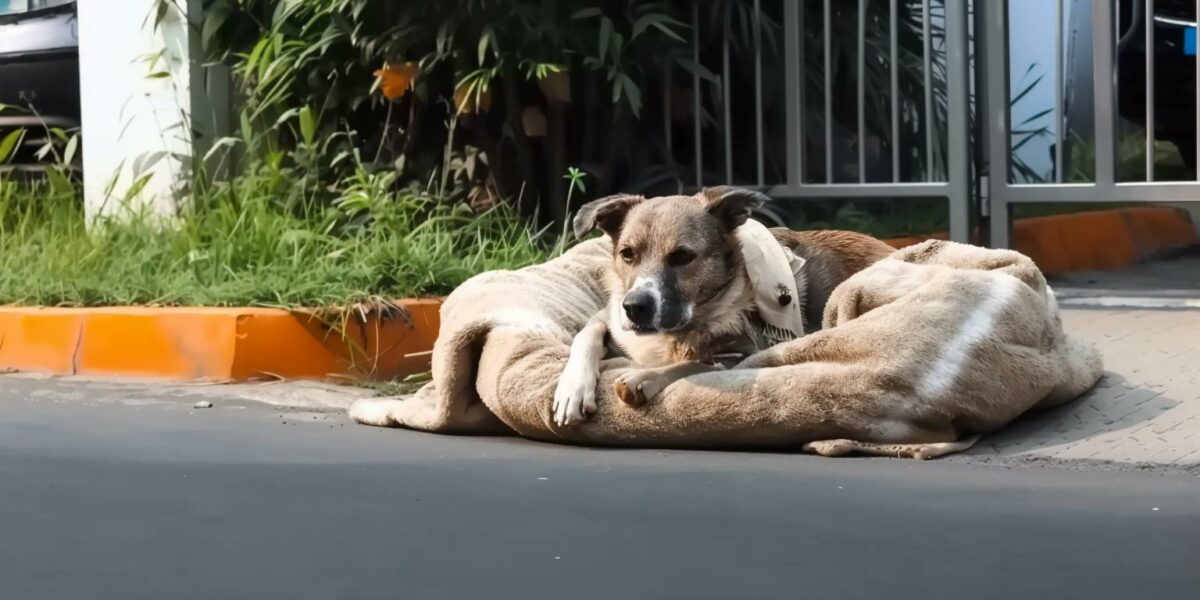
(607, 213)
(732, 206)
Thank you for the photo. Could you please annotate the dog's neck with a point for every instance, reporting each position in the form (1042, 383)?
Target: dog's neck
(722, 315)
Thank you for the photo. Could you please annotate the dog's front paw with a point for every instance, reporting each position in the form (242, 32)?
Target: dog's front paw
(575, 396)
(636, 388)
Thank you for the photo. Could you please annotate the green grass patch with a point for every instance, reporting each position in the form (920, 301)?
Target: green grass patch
(237, 247)
(398, 387)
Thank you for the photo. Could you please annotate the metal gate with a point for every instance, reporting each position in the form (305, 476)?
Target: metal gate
(1107, 40)
(894, 143)
(918, 143)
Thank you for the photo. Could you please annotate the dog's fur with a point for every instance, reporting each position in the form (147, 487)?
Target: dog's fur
(920, 352)
(680, 296)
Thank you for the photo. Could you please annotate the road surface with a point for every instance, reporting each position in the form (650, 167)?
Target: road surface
(108, 499)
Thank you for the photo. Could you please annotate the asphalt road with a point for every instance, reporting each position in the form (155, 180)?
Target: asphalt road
(110, 500)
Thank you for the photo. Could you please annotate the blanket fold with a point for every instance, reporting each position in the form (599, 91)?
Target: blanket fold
(938, 341)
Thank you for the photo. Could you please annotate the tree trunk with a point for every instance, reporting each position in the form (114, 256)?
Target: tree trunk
(555, 150)
(530, 192)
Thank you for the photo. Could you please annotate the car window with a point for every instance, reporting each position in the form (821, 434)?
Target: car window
(12, 7)
(8, 7)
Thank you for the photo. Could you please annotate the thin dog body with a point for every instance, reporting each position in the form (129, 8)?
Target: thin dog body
(681, 298)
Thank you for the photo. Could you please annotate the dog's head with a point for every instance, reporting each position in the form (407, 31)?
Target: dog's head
(671, 254)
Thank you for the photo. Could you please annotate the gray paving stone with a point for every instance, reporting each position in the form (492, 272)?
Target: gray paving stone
(1147, 407)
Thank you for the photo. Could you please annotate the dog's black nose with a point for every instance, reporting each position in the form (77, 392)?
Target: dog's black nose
(640, 309)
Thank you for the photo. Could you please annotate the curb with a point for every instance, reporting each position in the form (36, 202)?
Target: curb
(240, 344)
(217, 344)
(1094, 241)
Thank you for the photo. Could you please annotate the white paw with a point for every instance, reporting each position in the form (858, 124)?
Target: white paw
(575, 397)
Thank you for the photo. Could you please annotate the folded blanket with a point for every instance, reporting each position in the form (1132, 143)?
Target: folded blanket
(938, 341)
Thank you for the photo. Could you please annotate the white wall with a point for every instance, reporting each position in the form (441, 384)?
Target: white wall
(140, 87)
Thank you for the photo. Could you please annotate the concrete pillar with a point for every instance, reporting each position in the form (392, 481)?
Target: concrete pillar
(147, 104)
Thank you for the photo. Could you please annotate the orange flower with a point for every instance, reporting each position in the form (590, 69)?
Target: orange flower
(556, 85)
(465, 102)
(395, 81)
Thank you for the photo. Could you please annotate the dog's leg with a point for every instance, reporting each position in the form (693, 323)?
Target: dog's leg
(639, 386)
(575, 397)
(917, 451)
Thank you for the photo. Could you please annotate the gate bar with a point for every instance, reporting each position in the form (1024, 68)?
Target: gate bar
(1150, 90)
(958, 118)
(794, 41)
(999, 145)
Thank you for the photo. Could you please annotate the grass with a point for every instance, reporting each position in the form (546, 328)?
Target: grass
(237, 247)
(398, 387)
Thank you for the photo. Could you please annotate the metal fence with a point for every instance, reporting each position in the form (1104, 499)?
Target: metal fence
(1107, 36)
(920, 154)
(851, 58)
(956, 185)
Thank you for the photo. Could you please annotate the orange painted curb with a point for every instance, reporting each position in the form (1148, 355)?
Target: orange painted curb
(218, 344)
(1091, 241)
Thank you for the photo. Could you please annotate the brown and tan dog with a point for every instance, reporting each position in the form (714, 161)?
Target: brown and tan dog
(680, 295)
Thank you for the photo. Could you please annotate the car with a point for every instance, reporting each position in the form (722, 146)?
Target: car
(1174, 72)
(39, 72)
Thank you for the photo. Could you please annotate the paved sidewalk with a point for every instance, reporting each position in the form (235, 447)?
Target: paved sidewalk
(1171, 283)
(1145, 410)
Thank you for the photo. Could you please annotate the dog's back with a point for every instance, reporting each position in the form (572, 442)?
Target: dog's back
(682, 297)
(831, 257)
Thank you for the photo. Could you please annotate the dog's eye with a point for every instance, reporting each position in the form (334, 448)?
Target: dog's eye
(680, 257)
(627, 254)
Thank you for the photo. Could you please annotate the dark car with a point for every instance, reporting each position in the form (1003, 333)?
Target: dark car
(1174, 71)
(39, 70)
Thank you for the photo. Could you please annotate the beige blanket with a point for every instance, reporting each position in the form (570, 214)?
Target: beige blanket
(939, 341)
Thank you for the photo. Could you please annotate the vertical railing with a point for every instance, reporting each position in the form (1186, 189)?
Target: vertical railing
(1106, 187)
(726, 76)
(945, 171)
(1149, 90)
(794, 90)
(927, 60)
(758, 96)
(952, 177)
(1104, 88)
(861, 89)
(894, 80)
(995, 81)
(1060, 116)
(826, 40)
(697, 126)
(958, 130)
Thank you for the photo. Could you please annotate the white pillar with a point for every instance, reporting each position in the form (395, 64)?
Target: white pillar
(145, 104)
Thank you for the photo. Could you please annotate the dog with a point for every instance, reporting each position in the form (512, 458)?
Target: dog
(681, 300)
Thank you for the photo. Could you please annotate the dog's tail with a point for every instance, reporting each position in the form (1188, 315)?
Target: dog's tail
(917, 451)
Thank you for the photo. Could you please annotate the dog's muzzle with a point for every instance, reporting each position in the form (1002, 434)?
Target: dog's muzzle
(641, 308)
(648, 312)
